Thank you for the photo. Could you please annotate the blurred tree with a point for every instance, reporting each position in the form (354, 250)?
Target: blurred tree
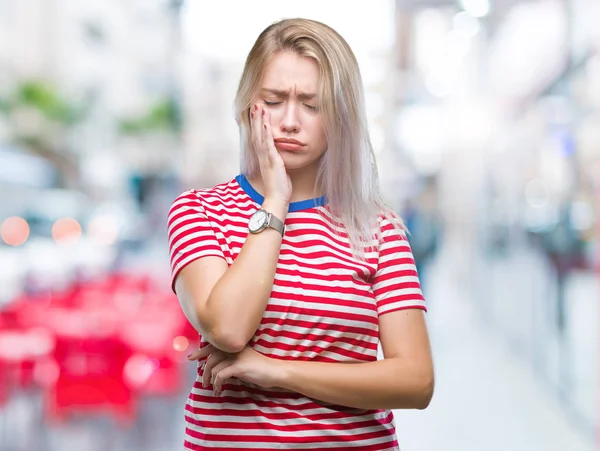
(47, 100)
(40, 119)
(163, 116)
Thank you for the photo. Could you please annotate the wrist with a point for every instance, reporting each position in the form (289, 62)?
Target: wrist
(282, 374)
(276, 206)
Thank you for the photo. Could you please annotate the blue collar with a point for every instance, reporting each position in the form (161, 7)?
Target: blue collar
(294, 206)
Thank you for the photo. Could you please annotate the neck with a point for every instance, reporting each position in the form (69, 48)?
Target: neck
(303, 184)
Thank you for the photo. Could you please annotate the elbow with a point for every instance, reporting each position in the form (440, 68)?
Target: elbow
(424, 392)
(229, 341)
(223, 335)
(230, 346)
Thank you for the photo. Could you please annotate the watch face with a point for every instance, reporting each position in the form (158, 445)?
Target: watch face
(257, 221)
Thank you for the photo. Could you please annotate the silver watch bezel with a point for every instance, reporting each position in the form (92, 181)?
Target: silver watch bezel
(264, 223)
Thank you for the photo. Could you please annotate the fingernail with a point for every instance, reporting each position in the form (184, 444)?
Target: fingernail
(189, 355)
(255, 107)
(263, 112)
(265, 126)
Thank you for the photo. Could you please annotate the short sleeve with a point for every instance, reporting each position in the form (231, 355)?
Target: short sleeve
(396, 283)
(190, 232)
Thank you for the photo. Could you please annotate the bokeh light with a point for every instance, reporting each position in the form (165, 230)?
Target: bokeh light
(66, 230)
(14, 231)
(103, 230)
(180, 343)
(138, 370)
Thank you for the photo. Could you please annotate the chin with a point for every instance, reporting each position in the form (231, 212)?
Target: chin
(297, 162)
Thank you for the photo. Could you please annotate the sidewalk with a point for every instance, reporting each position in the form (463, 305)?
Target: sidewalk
(486, 399)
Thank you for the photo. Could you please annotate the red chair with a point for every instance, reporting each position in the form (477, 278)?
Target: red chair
(90, 378)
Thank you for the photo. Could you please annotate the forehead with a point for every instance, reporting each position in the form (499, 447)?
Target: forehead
(288, 71)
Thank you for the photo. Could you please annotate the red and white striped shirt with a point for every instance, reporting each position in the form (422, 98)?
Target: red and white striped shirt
(324, 307)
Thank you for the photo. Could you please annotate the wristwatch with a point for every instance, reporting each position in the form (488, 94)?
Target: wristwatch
(261, 219)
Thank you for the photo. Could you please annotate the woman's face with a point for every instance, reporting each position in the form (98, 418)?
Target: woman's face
(289, 92)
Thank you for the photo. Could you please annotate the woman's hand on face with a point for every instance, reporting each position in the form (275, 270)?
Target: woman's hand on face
(277, 183)
(248, 365)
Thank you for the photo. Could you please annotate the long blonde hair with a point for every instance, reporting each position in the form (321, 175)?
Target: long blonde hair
(348, 172)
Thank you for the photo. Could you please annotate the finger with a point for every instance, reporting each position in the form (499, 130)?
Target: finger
(268, 141)
(263, 125)
(222, 373)
(218, 367)
(201, 353)
(255, 122)
(213, 360)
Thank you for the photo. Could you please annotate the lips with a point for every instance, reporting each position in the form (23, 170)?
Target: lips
(289, 144)
(289, 141)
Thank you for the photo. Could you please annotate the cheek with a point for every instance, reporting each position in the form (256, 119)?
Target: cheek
(318, 133)
(275, 118)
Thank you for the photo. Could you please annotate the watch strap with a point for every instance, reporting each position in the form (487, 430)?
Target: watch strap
(275, 223)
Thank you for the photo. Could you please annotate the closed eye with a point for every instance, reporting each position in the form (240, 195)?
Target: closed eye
(310, 107)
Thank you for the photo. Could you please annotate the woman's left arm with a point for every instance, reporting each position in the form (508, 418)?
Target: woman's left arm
(404, 379)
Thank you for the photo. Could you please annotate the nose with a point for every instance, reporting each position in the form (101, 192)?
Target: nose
(290, 121)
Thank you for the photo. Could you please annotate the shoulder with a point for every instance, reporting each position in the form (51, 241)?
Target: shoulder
(390, 227)
(201, 198)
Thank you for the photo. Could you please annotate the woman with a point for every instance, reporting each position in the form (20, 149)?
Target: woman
(295, 271)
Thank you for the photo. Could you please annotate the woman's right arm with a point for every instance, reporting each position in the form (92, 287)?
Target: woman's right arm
(227, 304)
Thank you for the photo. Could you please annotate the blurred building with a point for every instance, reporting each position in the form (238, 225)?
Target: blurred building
(114, 60)
(499, 102)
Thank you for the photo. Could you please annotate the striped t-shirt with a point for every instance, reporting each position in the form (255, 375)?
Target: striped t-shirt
(324, 307)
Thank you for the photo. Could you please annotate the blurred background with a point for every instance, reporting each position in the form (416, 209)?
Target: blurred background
(485, 116)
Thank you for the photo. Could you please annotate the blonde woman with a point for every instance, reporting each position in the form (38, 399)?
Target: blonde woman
(295, 271)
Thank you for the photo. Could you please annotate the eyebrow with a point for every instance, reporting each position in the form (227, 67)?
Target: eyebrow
(280, 93)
